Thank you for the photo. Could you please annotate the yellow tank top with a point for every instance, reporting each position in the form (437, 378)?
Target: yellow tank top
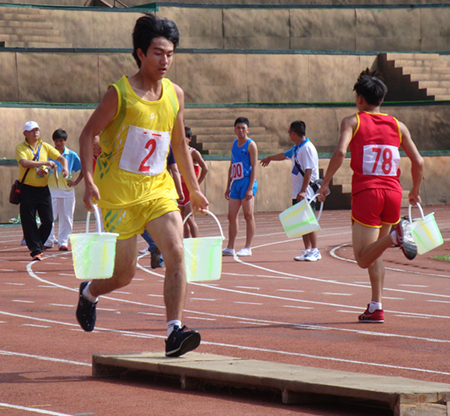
(131, 169)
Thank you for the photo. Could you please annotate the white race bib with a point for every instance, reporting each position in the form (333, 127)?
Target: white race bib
(237, 171)
(145, 151)
(380, 160)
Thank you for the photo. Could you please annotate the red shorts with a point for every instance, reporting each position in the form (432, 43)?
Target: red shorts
(375, 207)
(187, 197)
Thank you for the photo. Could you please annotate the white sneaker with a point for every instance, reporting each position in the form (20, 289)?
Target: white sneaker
(143, 251)
(302, 256)
(244, 252)
(228, 252)
(313, 256)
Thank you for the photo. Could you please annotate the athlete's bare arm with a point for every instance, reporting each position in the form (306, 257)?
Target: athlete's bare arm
(99, 119)
(184, 159)
(348, 127)
(253, 154)
(411, 151)
(197, 157)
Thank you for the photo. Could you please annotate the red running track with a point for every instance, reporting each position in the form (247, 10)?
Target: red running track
(265, 307)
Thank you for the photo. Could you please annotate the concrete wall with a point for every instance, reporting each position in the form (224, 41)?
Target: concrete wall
(346, 29)
(274, 182)
(219, 78)
(274, 186)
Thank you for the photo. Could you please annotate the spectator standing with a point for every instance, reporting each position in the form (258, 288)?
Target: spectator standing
(63, 192)
(35, 155)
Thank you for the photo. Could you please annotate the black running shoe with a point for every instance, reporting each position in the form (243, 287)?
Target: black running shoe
(86, 313)
(405, 239)
(181, 341)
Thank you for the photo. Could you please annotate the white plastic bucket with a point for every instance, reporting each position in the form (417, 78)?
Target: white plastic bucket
(299, 219)
(93, 253)
(425, 232)
(203, 256)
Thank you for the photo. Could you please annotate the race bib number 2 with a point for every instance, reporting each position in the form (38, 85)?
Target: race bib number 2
(145, 151)
(381, 160)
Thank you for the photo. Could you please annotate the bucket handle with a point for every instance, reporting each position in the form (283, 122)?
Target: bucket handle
(321, 205)
(212, 215)
(97, 220)
(420, 209)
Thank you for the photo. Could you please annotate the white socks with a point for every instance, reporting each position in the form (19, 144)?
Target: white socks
(87, 294)
(171, 324)
(373, 306)
(394, 237)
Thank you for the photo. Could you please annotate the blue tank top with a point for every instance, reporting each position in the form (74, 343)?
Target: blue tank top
(240, 160)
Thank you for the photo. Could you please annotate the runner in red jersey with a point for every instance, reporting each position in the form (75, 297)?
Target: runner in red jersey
(374, 139)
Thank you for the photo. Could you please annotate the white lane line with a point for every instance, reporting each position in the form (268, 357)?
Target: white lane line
(12, 283)
(249, 303)
(438, 301)
(408, 285)
(33, 410)
(336, 294)
(22, 301)
(325, 281)
(291, 290)
(36, 326)
(248, 287)
(42, 358)
(298, 307)
(60, 304)
(333, 254)
(241, 347)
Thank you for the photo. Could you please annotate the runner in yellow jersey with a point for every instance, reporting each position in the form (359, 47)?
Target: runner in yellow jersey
(137, 119)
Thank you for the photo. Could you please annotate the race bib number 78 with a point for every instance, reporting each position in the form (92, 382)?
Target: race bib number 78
(145, 151)
(380, 160)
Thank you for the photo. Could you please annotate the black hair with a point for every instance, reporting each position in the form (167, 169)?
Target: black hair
(242, 120)
(298, 127)
(187, 132)
(370, 87)
(149, 27)
(59, 134)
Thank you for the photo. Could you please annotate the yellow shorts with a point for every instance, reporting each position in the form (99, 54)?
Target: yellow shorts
(132, 220)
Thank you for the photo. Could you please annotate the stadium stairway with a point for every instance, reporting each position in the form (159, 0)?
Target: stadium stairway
(416, 76)
(22, 27)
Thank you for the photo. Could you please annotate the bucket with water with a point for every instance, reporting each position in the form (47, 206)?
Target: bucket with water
(425, 231)
(299, 219)
(93, 253)
(203, 255)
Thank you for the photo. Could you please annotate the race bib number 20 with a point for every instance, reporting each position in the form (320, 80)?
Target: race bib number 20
(237, 171)
(145, 151)
(380, 160)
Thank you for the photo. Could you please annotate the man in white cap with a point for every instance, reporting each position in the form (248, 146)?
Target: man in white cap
(34, 154)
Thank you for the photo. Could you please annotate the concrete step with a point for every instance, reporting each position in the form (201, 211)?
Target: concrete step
(215, 130)
(430, 77)
(202, 122)
(434, 84)
(438, 91)
(31, 39)
(35, 31)
(25, 24)
(19, 17)
(19, 10)
(442, 97)
(48, 44)
(425, 70)
(228, 139)
(392, 56)
(297, 384)
(421, 63)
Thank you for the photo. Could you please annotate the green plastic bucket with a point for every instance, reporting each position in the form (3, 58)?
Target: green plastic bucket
(93, 254)
(203, 256)
(425, 231)
(299, 219)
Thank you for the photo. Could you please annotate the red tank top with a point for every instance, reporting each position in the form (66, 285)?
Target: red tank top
(375, 158)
